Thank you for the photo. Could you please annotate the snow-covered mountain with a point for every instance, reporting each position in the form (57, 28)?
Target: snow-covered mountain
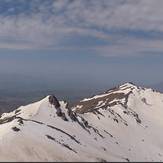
(122, 124)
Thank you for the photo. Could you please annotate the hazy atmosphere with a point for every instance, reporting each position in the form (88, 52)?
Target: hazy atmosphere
(78, 47)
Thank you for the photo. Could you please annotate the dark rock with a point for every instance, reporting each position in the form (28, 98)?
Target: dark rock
(15, 129)
(54, 101)
(64, 117)
(20, 120)
(59, 112)
(17, 111)
(127, 159)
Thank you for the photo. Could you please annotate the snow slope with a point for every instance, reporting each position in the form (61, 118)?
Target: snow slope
(122, 124)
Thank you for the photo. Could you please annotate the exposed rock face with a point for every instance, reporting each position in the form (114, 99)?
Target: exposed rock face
(117, 95)
(54, 101)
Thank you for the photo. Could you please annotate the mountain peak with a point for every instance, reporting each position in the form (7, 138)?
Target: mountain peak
(115, 96)
(128, 84)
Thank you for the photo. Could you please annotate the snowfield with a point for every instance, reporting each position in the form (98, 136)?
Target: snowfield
(122, 124)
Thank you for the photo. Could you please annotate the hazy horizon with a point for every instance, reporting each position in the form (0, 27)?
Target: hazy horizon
(77, 48)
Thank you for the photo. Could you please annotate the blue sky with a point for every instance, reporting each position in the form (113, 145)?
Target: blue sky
(87, 43)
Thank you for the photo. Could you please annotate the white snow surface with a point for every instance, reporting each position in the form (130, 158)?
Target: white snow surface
(43, 136)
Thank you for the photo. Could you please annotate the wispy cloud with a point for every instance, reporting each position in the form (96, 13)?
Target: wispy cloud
(131, 27)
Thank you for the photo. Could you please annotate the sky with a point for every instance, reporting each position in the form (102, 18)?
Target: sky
(81, 43)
